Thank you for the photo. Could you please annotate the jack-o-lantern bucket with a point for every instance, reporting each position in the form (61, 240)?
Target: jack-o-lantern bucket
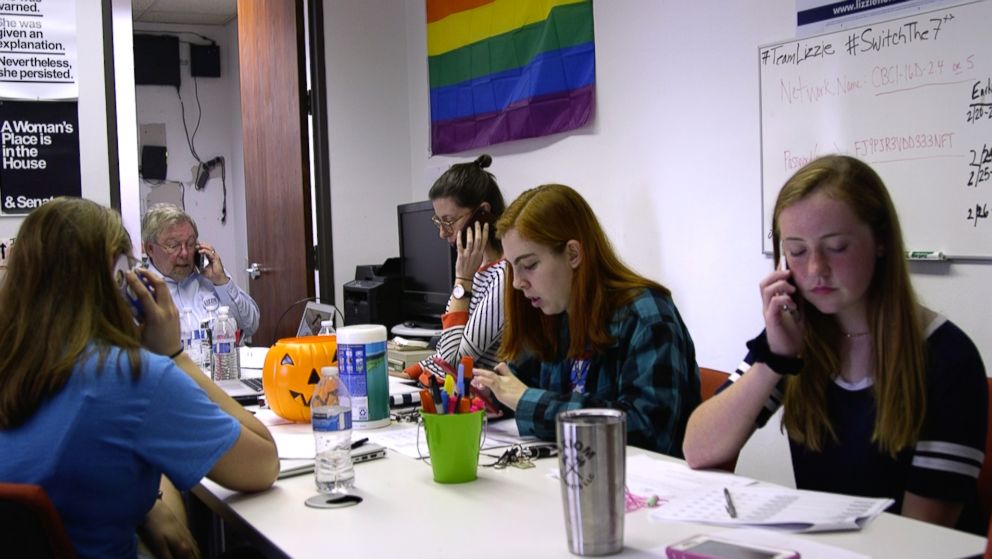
(291, 372)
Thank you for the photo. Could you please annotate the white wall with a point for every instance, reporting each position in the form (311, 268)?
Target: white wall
(219, 134)
(369, 127)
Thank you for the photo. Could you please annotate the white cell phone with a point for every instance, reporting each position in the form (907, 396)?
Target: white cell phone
(709, 547)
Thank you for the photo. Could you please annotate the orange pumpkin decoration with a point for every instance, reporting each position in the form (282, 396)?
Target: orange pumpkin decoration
(291, 372)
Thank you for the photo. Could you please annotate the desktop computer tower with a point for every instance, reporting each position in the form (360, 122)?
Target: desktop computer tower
(373, 297)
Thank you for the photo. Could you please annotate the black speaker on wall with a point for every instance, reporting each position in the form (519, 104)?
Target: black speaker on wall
(204, 61)
(156, 60)
(153, 165)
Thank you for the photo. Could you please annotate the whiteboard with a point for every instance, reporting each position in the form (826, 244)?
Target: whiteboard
(912, 97)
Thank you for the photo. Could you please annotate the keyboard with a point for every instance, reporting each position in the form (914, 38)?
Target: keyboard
(253, 383)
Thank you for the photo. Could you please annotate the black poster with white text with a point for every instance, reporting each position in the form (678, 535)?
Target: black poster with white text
(40, 143)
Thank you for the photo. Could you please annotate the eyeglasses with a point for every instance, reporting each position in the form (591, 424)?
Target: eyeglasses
(173, 248)
(447, 224)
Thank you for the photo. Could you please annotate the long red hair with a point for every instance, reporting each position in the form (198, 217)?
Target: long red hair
(552, 215)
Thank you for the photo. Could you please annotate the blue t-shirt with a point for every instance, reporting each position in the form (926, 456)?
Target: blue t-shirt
(100, 445)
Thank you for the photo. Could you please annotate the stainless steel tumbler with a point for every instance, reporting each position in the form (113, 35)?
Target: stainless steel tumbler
(592, 463)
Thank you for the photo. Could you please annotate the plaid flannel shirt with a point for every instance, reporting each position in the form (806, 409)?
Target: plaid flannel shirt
(649, 372)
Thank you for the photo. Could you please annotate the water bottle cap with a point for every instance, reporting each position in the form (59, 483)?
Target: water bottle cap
(327, 322)
(329, 371)
(224, 310)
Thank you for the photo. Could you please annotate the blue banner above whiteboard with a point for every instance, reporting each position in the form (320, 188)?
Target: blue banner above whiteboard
(910, 96)
(821, 16)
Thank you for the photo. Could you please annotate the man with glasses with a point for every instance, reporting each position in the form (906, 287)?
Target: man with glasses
(171, 240)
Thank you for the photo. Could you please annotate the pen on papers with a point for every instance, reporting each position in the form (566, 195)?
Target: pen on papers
(731, 509)
(359, 443)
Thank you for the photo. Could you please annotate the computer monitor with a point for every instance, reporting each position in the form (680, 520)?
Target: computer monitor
(427, 264)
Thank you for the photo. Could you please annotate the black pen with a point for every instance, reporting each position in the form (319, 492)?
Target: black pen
(359, 443)
(731, 509)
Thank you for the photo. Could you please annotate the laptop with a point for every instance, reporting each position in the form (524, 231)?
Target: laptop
(289, 467)
(248, 389)
(313, 314)
(245, 391)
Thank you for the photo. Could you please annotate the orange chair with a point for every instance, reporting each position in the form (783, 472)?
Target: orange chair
(709, 381)
(30, 526)
(985, 474)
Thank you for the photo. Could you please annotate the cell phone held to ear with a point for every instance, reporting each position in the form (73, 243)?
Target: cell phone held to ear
(201, 262)
(121, 266)
(480, 215)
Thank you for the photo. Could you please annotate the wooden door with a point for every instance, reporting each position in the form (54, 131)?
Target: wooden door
(277, 176)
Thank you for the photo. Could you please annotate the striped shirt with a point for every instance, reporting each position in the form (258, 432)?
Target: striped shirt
(478, 332)
(649, 373)
(945, 462)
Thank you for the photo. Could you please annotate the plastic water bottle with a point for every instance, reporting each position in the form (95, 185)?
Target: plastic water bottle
(330, 413)
(205, 355)
(326, 328)
(187, 334)
(186, 329)
(225, 344)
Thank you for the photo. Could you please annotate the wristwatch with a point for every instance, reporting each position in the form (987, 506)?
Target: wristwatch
(459, 291)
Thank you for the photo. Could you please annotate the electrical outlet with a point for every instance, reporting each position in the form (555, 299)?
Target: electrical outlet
(214, 171)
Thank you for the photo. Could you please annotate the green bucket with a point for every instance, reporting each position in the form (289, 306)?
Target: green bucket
(453, 440)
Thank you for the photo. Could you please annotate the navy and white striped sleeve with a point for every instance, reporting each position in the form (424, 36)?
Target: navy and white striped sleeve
(949, 454)
(774, 401)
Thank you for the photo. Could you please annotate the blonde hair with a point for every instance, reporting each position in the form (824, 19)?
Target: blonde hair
(895, 324)
(162, 216)
(552, 215)
(59, 297)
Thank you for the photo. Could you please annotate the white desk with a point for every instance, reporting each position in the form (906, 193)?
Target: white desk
(503, 514)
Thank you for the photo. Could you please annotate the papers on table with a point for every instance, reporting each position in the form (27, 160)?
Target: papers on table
(667, 480)
(772, 506)
(688, 495)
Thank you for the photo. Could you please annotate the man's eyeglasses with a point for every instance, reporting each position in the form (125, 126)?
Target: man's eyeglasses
(447, 224)
(173, 248)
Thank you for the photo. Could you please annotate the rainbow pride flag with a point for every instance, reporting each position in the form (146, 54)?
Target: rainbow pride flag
(504, 70)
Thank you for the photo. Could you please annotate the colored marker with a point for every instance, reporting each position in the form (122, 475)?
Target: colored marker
(935, 255)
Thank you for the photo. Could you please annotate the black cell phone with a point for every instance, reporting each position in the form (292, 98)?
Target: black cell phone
(480, 215)
(202, 262)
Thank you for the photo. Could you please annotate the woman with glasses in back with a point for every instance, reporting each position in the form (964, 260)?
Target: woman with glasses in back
(467, 201)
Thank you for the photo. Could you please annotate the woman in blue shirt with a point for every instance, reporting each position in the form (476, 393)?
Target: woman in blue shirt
(99, 409)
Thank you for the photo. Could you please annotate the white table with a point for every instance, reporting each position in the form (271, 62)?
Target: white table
(509, 513)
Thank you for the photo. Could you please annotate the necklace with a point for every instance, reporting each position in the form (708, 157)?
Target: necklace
(855, 334)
